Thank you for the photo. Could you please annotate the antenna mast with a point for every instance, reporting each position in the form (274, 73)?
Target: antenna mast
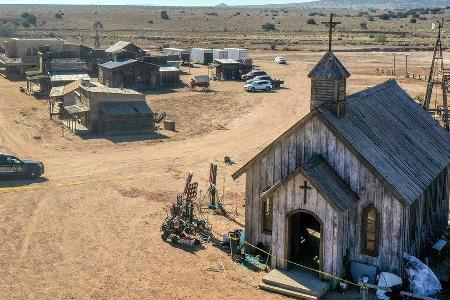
(440, 77)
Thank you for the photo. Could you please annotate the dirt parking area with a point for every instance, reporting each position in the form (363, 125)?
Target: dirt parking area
(91, 227)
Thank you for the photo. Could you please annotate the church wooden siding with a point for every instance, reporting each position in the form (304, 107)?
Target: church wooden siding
(296, 147)
(287, 200)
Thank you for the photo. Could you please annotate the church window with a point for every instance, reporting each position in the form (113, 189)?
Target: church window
(267, 214)
(371, 221)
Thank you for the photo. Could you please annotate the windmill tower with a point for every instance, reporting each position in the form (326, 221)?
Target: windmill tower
(438, 77)
(98, 28)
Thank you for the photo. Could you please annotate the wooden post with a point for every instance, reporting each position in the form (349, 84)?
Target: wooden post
(393, 72)
(406, 64)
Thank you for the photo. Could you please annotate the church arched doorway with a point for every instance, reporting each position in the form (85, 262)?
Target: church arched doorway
(304, 240)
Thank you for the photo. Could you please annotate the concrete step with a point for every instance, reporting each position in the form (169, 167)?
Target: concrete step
(286, 292)
(296, 281)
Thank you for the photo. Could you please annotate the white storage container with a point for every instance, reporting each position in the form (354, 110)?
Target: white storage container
(201, 55)
(173, 51)
(237, 53)
(220, 54)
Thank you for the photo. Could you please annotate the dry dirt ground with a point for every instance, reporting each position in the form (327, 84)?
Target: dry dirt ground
(91, 227)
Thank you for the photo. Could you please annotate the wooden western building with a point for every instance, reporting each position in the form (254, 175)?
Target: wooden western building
(124, 50)
(361, 178)
(230, 69)
(107, 111)
(131, 74)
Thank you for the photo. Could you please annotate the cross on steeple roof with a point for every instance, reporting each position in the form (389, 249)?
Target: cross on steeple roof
(331, 25)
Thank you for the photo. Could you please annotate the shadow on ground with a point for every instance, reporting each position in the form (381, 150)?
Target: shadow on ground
(154, 136)
(5, 183)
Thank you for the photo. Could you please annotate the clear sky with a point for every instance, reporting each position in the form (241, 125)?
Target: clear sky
(154, 2)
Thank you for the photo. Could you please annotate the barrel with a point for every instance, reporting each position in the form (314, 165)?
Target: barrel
(169, 125)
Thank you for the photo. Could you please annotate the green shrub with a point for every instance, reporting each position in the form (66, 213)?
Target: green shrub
(363, 25)
(311, 22)
(380, 38)
(164, 15)
(268, 27)
(8, 29)
(412, 21)
(58, 16)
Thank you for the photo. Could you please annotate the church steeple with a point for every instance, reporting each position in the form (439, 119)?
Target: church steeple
(329, 80)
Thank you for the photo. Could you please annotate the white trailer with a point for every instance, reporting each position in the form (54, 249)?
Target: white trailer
(220, 54)
(201, 56)
(173, 51)
(237, 53)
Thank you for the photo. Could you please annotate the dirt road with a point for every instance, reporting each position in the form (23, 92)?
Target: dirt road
(90, 229)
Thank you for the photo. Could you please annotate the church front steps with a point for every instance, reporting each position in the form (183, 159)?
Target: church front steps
(286, 292)
(297, 282)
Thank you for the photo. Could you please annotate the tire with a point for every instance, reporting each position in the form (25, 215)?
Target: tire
(33, 174)
(252, 90)
(267, 88)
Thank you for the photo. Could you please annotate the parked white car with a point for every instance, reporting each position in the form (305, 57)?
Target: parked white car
(258, 85)
(280, 60)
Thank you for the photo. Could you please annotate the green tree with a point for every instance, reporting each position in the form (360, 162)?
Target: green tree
(164, 15)
(268, 27)
(311, 22)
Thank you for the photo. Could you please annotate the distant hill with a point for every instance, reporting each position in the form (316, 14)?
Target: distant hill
(221, 5)
(393, 3)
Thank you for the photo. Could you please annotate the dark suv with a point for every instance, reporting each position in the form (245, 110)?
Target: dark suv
(12, 167)
(252, 74)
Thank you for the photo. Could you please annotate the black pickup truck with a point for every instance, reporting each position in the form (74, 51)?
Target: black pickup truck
(12, 167)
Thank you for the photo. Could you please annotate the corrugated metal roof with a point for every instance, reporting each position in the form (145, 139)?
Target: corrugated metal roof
(68, 64)
(169, 69)
(76, 108)
(325, 180)
(329, 184)
(113, 109)
(99, 88)
(329, 67)
(115, 64)
(226, 61)
(395, 135)
(119, 46)
(69, 77)
(57, 91)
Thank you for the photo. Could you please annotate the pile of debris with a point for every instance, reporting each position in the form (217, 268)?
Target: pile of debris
(182, 225)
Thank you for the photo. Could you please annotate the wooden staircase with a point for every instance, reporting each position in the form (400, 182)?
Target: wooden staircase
(295, 283)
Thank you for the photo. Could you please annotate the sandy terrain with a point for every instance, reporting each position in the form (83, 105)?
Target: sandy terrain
(90, 228)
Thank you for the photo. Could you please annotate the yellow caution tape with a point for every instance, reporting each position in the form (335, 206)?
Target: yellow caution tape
(74, 183)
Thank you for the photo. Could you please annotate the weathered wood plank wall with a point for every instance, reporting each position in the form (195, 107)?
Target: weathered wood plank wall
(309, 139)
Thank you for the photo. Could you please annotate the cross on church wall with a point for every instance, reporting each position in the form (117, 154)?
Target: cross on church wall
(305, 188)
(331, 24)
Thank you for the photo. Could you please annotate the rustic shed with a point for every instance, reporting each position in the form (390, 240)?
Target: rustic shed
(230, 69)
(133, 117)
(109, 111)
(361, 178)
(170, 76)
(124, 50)
(132, 74)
